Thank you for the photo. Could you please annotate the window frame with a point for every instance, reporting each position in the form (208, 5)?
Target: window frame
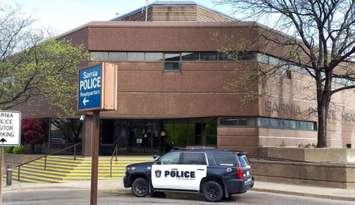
(203, 153)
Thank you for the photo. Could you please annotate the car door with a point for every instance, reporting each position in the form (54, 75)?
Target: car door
(160, 173)
(183, 174)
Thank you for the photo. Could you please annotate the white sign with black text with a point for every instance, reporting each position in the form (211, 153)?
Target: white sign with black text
(180, 177)
(10, 128)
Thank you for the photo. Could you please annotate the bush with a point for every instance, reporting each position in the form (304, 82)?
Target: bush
(9, 149)
(19, 149)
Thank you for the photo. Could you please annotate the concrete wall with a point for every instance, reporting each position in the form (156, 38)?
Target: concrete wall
(339, 155)
(316, 174)
(238, 138)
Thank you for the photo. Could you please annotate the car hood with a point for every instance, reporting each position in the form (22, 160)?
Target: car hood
(142, 164)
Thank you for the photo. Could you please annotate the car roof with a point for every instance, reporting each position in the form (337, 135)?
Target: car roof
(205, 149)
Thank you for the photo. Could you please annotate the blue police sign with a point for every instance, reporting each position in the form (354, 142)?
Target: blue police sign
(90, 83)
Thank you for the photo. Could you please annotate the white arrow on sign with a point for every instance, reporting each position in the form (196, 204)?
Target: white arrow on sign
(85, 101)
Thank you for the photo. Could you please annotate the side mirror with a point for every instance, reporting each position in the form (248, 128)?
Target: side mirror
(155, 157)
(158, 162)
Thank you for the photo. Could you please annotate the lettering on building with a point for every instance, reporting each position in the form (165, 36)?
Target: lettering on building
(282, 108)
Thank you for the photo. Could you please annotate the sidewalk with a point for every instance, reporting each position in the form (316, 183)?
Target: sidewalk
(116, 186)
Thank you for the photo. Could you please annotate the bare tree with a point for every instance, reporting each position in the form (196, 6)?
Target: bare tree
(323, 32)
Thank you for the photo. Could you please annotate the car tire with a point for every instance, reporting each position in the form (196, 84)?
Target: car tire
(140, 187)
(212, 191)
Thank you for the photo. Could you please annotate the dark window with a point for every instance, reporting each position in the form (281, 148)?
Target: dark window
(135, 56)
(172, 56)
(170, 158)
(247, 55)
(238, 121)
(193, 158)
(208, 56)
(224, 158)
(285, 124)
(193, 56)
(228, 56)
(153, 56)
(243, 160)
(172, 61)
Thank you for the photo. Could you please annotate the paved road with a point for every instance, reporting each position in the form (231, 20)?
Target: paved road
(81, 197)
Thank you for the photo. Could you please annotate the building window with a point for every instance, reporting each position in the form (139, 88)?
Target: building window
(246, 122)
(208, 56)
(99, 56)
(172, 61)
(135, 56)
(266, 122)
(192, 56)
(117, 56)
(153, 56)
(247, 55)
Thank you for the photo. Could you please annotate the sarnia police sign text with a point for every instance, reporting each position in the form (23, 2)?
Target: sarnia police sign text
(90, 88)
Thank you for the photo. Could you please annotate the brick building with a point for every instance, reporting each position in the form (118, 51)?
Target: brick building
(173, 84)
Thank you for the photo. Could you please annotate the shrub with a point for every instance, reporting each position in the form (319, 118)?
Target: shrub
(9, 149)
(19, 149)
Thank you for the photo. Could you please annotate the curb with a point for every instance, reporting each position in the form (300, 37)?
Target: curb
(321, 196)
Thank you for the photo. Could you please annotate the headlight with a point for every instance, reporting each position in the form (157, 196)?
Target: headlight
(131, 168)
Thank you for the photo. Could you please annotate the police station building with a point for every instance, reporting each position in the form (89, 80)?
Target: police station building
(173, 85)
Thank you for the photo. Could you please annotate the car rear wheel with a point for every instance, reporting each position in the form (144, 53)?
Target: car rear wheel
(212, 191)
(140, 187)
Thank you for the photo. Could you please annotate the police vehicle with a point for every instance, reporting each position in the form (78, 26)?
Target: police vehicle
(214, 173)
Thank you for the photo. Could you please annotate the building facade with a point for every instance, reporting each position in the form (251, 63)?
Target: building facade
(177, 88)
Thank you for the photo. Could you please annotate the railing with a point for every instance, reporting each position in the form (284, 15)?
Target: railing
(114, 154)
(74, 147)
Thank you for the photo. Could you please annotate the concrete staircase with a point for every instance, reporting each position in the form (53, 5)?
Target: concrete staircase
(62, 168)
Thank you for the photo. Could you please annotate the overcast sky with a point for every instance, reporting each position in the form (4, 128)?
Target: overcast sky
(59, 16)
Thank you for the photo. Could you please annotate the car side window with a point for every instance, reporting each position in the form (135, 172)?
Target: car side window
(195, 158)
(170, 158)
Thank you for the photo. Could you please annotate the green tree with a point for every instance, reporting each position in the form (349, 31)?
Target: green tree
(323, 43)
(35, 67)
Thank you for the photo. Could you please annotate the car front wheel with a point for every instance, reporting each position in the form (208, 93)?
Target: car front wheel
(140, 187)
(212, 191)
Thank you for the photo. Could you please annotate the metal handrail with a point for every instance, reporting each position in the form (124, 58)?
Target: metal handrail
(114, 153)
(74, 146)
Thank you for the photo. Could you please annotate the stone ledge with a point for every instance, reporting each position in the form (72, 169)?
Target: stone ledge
(337, 155)
(318, 174)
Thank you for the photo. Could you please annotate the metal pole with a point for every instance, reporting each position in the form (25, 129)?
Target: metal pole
(45, 162)
(111, 168)
(75, 152)
(94, 157)
(146, 10)
(1, 175)
(18, 173)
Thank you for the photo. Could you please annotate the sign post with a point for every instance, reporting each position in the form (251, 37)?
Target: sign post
(10, 135)
(97, 92)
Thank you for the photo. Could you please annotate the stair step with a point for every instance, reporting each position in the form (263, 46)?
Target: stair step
(65, 168)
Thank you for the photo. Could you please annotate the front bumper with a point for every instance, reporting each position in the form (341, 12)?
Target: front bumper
(127, 182)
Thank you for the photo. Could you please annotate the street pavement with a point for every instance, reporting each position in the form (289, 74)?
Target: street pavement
(55, 196)
(112, 192)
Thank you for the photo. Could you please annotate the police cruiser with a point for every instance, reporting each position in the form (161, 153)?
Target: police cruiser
(214, 173)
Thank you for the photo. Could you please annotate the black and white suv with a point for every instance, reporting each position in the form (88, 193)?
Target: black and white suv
(214, 173)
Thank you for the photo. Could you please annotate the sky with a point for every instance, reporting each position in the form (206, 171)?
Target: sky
(59, 16)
